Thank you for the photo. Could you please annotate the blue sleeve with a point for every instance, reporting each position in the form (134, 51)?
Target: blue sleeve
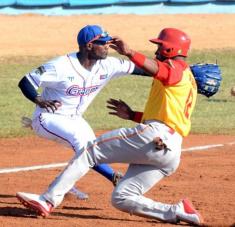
(27, 89)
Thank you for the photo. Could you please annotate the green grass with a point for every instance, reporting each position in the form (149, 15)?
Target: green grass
(211, 116)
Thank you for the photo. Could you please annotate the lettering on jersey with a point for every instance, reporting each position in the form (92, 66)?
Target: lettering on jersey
(40, 70)
(104, 76)
(193, 81)
(75, 90)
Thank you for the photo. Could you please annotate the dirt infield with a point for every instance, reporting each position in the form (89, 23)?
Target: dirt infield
(43, 35)
(207, 177)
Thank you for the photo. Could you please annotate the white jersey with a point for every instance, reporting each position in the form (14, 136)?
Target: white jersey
(66, 80)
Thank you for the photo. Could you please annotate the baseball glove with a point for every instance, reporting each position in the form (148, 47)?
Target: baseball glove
(208, 78)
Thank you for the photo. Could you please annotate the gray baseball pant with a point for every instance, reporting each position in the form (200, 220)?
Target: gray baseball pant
(147, 167)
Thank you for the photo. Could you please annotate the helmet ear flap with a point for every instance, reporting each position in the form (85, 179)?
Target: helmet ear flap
(167, 51)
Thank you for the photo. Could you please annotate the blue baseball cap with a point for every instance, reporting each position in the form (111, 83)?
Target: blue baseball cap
(92, 33)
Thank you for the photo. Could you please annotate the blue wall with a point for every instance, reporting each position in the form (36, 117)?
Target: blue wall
(97, 3)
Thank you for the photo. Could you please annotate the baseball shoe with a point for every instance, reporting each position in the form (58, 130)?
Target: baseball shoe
(35, 202)
(79, 194)
(187, 213)
(117, 176)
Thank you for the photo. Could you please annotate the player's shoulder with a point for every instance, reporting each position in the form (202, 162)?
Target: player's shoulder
(55, 66)
(60, 59)
(58, 63)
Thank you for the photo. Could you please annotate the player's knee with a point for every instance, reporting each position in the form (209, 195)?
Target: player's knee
(118, 201)
(122, 201)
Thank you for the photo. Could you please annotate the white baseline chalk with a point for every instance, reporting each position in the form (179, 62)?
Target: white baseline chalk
(206, 147)
(56, 165)
(19, 169)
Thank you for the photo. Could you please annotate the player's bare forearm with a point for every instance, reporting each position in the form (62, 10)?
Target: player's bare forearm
(150, 66)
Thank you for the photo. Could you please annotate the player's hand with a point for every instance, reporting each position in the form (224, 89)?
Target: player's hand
(159, 144)
(121, 109)
(120, 46)
(49, 105)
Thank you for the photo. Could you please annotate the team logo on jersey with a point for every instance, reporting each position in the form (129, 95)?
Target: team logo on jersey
(40, 70)
(71, 78)
(75, 90)
(104, 76)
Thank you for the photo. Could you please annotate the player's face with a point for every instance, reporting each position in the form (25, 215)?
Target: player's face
(99, 50)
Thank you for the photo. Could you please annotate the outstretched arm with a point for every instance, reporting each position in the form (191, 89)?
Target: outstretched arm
(122, 110)
(150, 66)
(139, 71)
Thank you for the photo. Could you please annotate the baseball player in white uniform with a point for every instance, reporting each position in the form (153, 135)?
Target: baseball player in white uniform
(69, 84)
(152, 148)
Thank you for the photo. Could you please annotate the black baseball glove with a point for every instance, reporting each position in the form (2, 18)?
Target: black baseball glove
(208, 78)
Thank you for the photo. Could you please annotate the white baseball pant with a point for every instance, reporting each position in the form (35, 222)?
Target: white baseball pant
(72, 131)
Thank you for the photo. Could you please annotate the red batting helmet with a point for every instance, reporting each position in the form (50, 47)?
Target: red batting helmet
(173, 42)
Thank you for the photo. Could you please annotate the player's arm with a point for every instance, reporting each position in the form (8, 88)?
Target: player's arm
(149, 66)
(27, 89)
(122, 110)
(30, 93)
(139, 71)
(163, 71)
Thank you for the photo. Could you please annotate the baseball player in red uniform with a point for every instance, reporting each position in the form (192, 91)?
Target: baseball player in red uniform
(152, 148)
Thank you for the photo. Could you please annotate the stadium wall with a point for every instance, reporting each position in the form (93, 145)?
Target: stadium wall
(99, 3)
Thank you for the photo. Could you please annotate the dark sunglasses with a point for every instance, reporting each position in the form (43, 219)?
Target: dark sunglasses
(102, 35)
(99, 42)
